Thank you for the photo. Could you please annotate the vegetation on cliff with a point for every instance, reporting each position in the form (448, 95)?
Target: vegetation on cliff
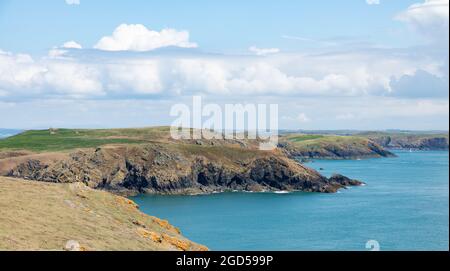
(69, 139)
(408, 140)
(309, 146)
(155, 163)
(48, 216)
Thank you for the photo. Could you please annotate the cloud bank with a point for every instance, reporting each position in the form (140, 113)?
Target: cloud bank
(377, 72)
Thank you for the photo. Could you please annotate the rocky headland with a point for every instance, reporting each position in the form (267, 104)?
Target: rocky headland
(149, 161)
(181, 169)
(334, 147)
(410, 141)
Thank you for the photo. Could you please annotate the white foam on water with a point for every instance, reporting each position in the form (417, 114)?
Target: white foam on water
(281, 192)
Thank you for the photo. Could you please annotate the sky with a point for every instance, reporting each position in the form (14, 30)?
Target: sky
(353, 64)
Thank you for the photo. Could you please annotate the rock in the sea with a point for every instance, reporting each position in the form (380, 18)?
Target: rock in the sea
(345, 181)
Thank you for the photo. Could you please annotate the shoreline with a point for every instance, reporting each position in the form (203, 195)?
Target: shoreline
(314, 219)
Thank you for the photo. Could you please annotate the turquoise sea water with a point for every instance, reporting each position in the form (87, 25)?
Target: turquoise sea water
(404, 206)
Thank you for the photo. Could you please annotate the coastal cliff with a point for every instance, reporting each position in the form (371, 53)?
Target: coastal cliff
(334, 147)
(180, 169)
(132, 161)
(61, 179)
(410, 141)
(48, 216)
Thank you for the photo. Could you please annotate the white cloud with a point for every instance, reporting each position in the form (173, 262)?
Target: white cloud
(138, 77)
(263, 51)
(72, 2)
(430, 19)
(18, 72)
(22, 76)
(72, 79)
(136, 37)
(72, 45)
(303, 118)
(373, 2)
(419, 84)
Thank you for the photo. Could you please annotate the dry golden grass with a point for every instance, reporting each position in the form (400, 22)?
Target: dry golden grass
(45, 216)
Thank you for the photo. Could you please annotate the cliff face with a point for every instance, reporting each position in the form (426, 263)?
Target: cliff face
(438, 142)
(48, 216)
(179, 169)
(333, 147)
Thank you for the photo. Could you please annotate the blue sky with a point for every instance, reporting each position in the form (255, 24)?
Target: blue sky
(328, 64)
(36, 26)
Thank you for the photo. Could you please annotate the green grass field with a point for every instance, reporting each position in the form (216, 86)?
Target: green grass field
(299, 138)
(309, 140)
(65, 139)
(405, 135)
(331, 144)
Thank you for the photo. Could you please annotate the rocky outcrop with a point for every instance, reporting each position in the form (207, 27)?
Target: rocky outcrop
(342, 180)
(184, 169)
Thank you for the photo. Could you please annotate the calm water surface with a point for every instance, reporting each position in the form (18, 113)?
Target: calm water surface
(404, 206)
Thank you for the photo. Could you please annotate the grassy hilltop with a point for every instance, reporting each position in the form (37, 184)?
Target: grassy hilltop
(326, 145)
(302, 145)
(67, 139)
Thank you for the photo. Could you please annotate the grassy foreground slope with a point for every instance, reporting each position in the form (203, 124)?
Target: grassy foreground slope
(45, 216)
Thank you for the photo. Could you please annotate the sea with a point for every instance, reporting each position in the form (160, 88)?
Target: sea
(8, 132)
(403, 206)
